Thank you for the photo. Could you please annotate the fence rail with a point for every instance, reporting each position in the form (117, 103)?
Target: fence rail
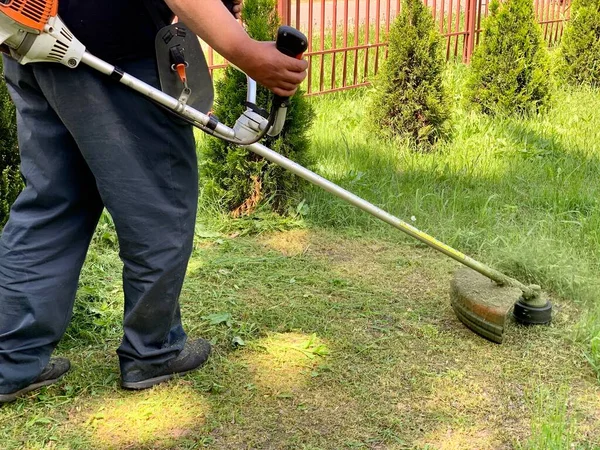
(348, 38)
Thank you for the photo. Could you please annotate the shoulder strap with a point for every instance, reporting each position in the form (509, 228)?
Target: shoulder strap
(154, 8)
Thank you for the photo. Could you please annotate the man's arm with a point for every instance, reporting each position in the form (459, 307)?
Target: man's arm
(210, 20)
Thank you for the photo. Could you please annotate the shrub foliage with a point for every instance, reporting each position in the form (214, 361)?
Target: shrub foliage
(581, 43)
(510, 69)
(235, 176)
(11, 182)
(409, 100)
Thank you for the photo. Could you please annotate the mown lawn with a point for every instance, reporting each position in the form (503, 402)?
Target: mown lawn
(333, 331)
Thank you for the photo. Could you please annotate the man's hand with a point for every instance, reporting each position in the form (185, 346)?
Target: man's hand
(272, 69)
(211, 20)
(237, 9)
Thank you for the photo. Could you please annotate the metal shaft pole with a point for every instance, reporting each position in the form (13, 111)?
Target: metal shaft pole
(186, 111)
(394, 221)
(155, 94)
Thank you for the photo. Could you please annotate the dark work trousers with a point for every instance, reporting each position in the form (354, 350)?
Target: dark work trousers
(87, 142)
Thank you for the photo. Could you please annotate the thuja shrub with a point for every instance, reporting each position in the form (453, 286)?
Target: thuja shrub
(580, 47)
(239, 179)
(409, 100)
(510, 69)
(11, 182)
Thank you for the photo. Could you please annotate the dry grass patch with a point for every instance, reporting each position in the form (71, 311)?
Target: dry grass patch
(469, 438)
(288, 243)
(282, 363)
(150, 419)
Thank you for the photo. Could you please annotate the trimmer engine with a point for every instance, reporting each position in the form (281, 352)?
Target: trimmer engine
(32, 32)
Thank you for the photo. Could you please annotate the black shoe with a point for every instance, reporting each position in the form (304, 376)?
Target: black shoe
(193, 356)
(55, 369)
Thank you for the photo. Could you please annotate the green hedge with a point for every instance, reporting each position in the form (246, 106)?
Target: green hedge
(11, 182)
(237, 178)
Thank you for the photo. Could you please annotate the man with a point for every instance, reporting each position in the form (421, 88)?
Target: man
(87, 143)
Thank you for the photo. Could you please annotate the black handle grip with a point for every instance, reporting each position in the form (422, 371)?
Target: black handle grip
(290, 42)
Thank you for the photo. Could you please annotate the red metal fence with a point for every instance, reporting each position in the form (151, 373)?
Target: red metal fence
(347, 38)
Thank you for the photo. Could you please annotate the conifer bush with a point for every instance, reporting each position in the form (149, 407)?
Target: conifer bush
(510, 69)
(11, 182)
(581, 43)
(242, 180)
(409, 100)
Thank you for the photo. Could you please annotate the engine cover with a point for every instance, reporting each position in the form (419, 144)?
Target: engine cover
(30, 14)
(34, 33)
(11, 33)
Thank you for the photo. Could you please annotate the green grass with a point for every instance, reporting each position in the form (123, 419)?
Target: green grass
(333, 331)
(552, 427)
(520, 193)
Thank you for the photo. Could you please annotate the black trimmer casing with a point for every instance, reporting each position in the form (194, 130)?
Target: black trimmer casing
(527, 314)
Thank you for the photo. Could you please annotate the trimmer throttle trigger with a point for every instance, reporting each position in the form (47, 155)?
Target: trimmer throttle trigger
(293, 43)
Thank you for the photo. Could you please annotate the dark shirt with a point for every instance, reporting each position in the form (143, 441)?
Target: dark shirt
(115, 30)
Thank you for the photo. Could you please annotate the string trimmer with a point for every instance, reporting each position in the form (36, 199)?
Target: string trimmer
(31, 31)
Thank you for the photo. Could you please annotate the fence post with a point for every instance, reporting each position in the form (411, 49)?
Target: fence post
(471, 25)
(466, 29)
(283, 9)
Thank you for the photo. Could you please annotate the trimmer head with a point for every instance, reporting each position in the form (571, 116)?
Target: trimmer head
(481, 304)
(484, 306)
